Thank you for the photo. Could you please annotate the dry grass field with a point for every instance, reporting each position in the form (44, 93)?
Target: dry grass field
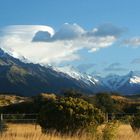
(125, 132)
(32, 132)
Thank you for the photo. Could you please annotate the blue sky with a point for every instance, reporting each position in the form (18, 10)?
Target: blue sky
(115, 23)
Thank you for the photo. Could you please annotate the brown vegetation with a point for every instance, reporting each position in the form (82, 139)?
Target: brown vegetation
(32, 132)
(11, 99)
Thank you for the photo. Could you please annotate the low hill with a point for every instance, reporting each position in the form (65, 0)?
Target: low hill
(6, 100)
(14, 104)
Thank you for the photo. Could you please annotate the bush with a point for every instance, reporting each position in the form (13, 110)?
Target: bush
(69, 115)
(72, 93)
(126, 119)
(109, 132)
(135, 123)
(41, 99)
(104, 102)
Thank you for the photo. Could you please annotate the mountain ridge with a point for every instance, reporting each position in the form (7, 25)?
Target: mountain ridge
(30, 79)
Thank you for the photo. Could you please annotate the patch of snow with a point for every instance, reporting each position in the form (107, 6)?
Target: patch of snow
(135, 80)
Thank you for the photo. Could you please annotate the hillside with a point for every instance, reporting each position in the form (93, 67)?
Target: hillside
(14, 104)
(29, 79)
(6, 100)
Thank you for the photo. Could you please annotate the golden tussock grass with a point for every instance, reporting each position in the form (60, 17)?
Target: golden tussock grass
(32, 132)
(125, 132)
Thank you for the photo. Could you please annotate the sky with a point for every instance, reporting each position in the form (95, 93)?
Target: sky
(95, 36)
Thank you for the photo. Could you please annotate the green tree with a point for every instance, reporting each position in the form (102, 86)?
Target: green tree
(72, 93)
(135, 123)
(69, 115)
(104, 102)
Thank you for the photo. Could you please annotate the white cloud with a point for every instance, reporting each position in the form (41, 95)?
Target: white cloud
(134, 42)
(41, 44)
(108, 30)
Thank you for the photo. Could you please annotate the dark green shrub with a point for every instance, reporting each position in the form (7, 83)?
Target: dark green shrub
(72, 93)
(135, 123)
(104, 102)
(69, 115)
(41, 99)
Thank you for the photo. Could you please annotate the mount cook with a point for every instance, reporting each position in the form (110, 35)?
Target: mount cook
(29, 79)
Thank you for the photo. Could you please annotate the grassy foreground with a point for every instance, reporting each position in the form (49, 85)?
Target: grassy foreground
(32, 132)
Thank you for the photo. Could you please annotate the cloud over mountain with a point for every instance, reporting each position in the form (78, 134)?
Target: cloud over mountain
(42, 44)
(74, 31)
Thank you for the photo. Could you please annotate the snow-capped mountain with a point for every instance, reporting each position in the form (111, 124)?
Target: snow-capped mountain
(30, 79)
(135, 78)
(127, 84)
(131, 84)
(75, 74)
(115, 81)
(84, 80)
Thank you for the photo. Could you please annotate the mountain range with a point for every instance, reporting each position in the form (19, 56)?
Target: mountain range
(29, 79)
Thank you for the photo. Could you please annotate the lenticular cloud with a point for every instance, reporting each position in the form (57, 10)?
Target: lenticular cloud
(42, 44)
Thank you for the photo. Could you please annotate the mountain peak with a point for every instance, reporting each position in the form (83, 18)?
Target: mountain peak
(131, 73)
(1, 52)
